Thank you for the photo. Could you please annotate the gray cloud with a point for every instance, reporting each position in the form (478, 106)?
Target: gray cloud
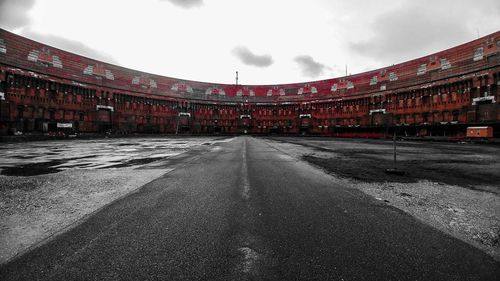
(249, 58)
(309, 66)
(186, 3)
(69, 45)
(14, 13)
(418, 28)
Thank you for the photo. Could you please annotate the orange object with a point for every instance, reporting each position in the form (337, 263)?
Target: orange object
(480, 132)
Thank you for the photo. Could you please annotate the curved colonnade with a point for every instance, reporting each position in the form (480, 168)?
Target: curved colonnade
(44, 89)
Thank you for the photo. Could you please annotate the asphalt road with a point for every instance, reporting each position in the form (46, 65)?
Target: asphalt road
(248, 211)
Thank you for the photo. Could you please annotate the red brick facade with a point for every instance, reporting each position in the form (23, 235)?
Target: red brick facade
(45, 89)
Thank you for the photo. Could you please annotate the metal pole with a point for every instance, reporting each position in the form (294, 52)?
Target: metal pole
(394, 148)
(177, 125)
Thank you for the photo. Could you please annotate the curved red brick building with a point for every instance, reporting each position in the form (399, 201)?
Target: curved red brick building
(45, 89)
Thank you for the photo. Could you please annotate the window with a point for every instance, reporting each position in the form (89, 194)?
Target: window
(422, 69)
(478, 54)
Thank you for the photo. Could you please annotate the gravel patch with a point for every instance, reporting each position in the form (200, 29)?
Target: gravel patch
(37, 207)
(472, 216)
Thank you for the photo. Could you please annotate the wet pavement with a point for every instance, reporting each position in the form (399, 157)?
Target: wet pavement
(36, 158)
(247, 210)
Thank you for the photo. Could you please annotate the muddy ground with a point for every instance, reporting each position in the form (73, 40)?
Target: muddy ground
(454, 187)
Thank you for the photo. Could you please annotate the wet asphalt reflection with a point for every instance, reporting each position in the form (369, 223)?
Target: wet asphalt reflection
(37, 158)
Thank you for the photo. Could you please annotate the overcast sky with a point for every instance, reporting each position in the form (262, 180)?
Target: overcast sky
(267, 41)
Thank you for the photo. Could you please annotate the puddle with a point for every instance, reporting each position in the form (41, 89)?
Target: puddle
(24, 156)
(53, 157)
(125, 144)
(33, 169)
(39, 168)
(69, 166)
(134, 162)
